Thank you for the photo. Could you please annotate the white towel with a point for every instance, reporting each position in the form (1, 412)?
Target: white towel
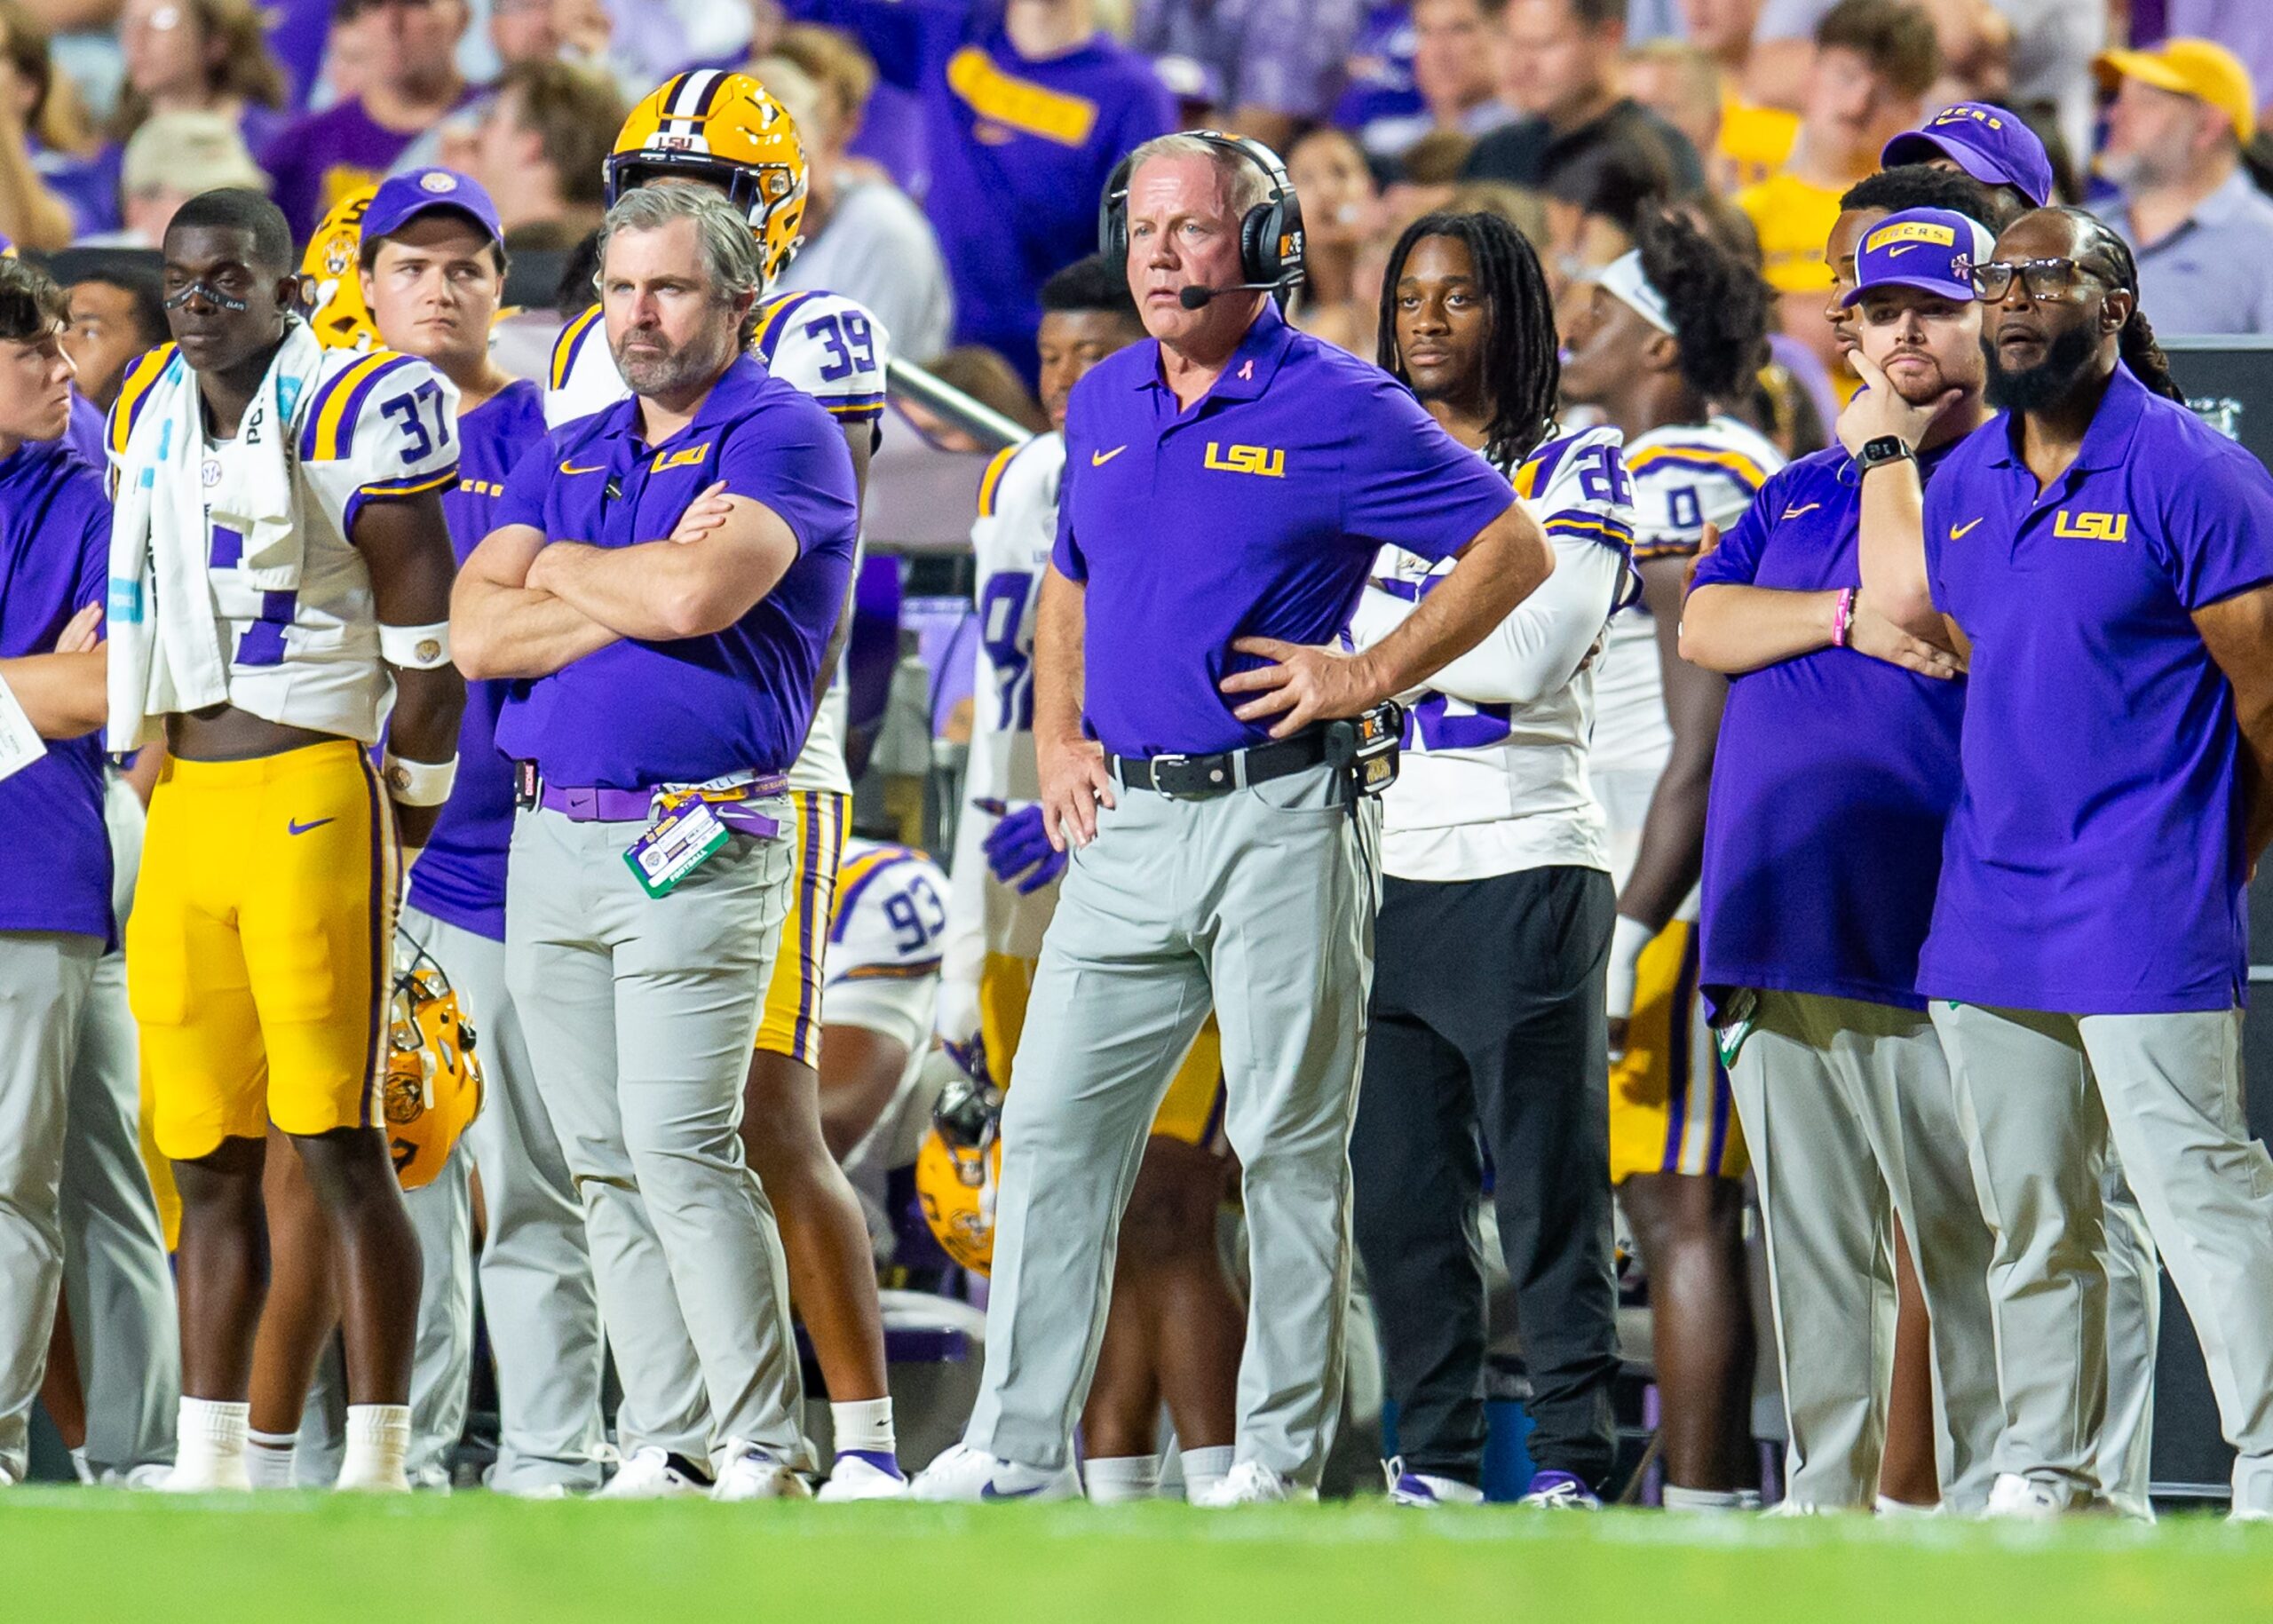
(168, 627)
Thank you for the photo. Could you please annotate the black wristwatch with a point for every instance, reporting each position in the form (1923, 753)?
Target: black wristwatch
(1886, 449)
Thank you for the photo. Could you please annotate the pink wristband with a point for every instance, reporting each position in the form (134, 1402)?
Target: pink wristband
(1843, 616)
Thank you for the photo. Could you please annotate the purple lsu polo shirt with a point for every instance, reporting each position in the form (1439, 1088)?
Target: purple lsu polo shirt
(2093, 864)
(637, 714)
(1256, 512)
(460, 877)
(1835, 774)
(55, 870)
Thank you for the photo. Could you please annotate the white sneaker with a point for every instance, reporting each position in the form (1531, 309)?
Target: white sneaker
(656, 1473)
(2025, 1499)
(864, 1474)
(1422, 1489)
(963, 1473)
(149, 1476)
(1250, 1483)
(214, 1475)
(752, 1474)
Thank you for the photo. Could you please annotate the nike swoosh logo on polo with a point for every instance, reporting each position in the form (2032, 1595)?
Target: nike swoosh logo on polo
(987, 1491)
(297, 827)
(1807, 508)
(1958, 532)
(1098, 459)
(565, 468)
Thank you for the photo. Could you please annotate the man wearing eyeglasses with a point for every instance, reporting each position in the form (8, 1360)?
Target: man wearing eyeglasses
(2106, 562)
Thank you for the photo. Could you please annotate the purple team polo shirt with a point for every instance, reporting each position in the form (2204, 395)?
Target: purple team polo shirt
(637, 714)
(54, 560)
(1256, 513)
(1834, 775)
(2093, 864)
(460, 877)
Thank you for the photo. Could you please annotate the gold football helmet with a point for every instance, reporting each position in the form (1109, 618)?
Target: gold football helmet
(958, 1168)
(335, 307)
(432, 1090)
(727, 130)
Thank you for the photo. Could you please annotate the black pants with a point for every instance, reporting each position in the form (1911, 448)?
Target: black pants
(1487, 1031)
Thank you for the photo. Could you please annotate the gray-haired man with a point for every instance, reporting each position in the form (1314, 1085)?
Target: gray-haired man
(1227, 484)
(664, 579)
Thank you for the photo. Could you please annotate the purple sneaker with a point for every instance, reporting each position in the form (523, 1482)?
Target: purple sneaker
(1560, 1491)
(1409, 1488)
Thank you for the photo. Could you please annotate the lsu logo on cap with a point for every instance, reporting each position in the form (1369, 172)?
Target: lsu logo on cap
(1247, 459)
(1909, 231)
(437, 181)
(2092, 526)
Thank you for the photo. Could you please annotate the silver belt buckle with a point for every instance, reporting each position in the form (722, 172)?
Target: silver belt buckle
(1156, 763)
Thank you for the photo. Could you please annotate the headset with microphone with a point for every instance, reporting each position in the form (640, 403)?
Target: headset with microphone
(1271, 235)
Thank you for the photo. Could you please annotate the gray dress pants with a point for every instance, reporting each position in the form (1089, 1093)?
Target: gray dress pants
(124, 1326)
(44, 978)
(536, 1277)
(640, 1013)
(1847, 1105)
(1259, 903)
(2040, 1098)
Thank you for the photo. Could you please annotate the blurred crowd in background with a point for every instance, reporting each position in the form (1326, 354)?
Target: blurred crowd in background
(957, 146)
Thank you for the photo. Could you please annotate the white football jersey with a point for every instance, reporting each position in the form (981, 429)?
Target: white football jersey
(1685, 477)
(1488, 787)
(884, 938)
(835, 350)
(1010, 545)
(372, 424)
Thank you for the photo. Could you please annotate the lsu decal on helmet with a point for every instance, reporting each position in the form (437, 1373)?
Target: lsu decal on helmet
(335, 308)
(958, 1168)
(432, 1089)
(727, 130)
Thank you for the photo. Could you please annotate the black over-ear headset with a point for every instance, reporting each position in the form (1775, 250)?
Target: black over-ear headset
(1271, 235)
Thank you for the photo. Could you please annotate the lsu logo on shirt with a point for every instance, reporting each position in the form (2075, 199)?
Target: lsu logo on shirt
(2092, 526)
(1247, 459)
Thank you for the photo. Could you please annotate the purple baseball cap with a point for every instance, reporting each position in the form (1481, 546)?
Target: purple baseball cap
(1932, 250)
(1988, 143)
(402, 198)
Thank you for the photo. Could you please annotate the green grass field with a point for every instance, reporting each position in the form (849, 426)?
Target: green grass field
(90, 1556)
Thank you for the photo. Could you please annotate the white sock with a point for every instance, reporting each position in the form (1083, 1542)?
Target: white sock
(1702, 1500)
(1204, 1468)
(82, 1467)
(1888, 1506)
(1748, 1500)
(1115, 1480)
(268, 1458)
(864, 1424)
(378, 1444)
(209, 1445)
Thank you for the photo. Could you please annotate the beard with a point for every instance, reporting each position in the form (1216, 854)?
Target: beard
(2031, 389)
(667, 369)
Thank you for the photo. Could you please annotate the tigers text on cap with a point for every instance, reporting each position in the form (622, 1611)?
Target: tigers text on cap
(402, 198)
(1987, 142)
(2201, 69)
(1931, 250)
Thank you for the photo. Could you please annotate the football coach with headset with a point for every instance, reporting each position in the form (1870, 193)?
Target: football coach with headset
(1202, 748)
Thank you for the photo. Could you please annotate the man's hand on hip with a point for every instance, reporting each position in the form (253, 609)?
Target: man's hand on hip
(1073, 779)
(1305, 685)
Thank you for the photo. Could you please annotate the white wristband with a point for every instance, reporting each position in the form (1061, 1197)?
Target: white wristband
(418, 783)
(416, 648)
(1628, 939)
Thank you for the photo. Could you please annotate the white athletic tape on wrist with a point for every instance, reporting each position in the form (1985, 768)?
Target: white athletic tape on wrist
(418, 783)
(416, 648)
(1628, 939)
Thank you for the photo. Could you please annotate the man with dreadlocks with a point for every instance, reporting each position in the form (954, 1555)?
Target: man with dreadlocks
(2105, 561)
(1487, 1029)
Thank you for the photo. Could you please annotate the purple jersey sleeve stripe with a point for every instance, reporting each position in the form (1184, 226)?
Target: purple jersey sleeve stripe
(362, 392)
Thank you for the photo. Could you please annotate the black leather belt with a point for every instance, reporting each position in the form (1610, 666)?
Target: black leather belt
(1200, 777)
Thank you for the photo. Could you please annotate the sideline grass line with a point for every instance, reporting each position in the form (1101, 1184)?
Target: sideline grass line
(96, 1556)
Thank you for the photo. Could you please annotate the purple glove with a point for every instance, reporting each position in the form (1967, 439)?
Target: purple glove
(1019, 845)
